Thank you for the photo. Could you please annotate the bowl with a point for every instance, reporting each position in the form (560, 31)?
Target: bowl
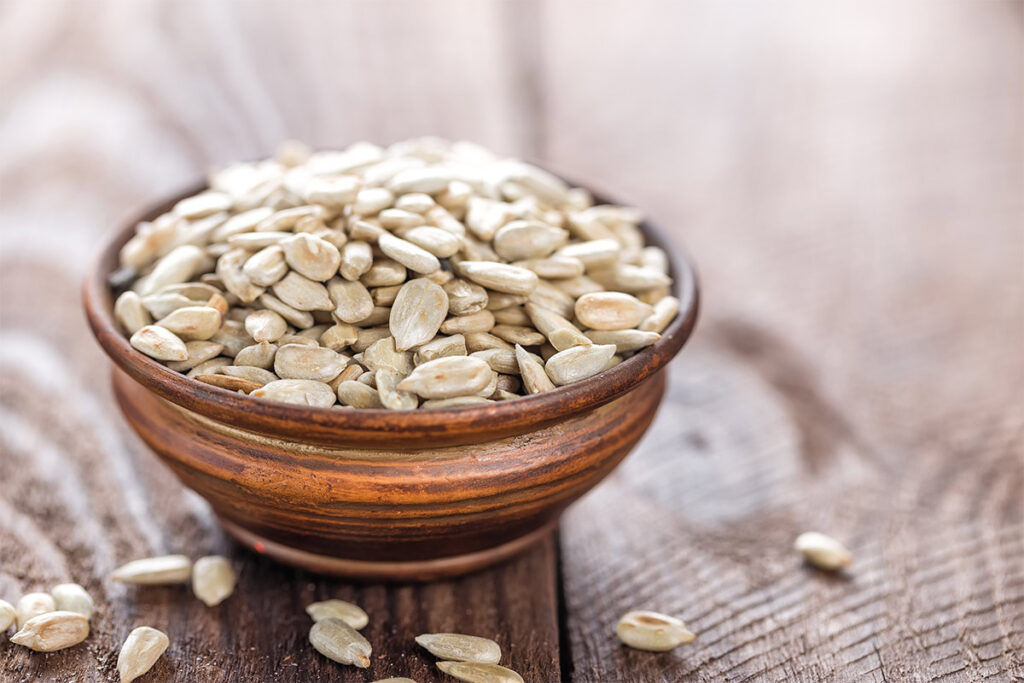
(380, 494)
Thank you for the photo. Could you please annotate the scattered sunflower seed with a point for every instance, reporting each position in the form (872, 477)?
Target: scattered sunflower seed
(166, 569)
(652, 631)
(475, 672)
(8, 615)
(336, 640)
(213, 579)
(353, 615)
(460, 648)
(823, 551)
(70, 597)
(52, 631)
(32, 605)
(140, 652)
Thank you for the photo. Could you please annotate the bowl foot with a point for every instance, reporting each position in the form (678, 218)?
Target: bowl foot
(417, 570)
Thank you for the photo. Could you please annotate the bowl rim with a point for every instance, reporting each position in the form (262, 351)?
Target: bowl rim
(283, 418)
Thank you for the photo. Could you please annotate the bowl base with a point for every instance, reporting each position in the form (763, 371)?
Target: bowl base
(417, 570)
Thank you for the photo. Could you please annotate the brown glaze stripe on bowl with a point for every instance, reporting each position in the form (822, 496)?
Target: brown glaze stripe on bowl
(364, 426)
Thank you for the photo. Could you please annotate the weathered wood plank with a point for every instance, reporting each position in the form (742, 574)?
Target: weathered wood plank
(857, 368)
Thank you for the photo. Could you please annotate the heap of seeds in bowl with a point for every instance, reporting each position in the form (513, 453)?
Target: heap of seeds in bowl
(423, 275)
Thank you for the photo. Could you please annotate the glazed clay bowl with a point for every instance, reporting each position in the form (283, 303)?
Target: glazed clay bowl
(381, 494)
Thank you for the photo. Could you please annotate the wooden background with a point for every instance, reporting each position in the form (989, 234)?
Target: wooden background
(848, 176)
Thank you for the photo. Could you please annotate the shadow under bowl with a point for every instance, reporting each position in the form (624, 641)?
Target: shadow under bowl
(380, 494)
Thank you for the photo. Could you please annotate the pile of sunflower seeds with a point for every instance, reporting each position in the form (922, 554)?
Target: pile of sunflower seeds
(423, 275)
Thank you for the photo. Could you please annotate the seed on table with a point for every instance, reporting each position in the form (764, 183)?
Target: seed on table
(356, 259)
(8, 615)
(353, 615)
(624, 341)
(517, 334)
(140, 652)
(419, 310)
(52, 631)
(130, 312)
(358, 395)
(664, 311)
(500, 277)
(440, 347)
(152, 571)
(652, 631)
(560, 332)
(192, 322)
(352, 301)
(611, 311)
(475, 672)
(71, 597)
(448, 377)
(213, 579)
(296, 361)
(391, 396)
(303, 392)
(481, 321)
(460, 648)
(525, 239)
(266, 266)
(302, 294)
(159, 343)
(578, 363)
(312, 257)
(336, 640)
(464, 297)
(823, 551)
(32, 605)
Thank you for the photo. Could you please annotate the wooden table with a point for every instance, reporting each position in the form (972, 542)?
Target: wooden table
(849, 178)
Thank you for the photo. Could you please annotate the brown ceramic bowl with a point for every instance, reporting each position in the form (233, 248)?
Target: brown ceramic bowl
(381, 494)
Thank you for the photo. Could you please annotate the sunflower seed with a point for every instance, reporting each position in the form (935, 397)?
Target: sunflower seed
(384, 273)
(32, 605)
(356, 259)
(652, 631)
(513, 315)
(180, 265)
(460, 648)
(286, 219)
(266, 266)
(382, 354)
(484, 216)
(202, 204)
(336, 640)
(8, 615)
(419, 310)
(515, 334)
(210, 367)
(336, 191)
(353, 615)
(577, 286)
(227, 382)
(296, 361)
(391, 396)
(192, 322)
(159, 343)
(230, 270)
(303, 392)
(358, 395)
(52, 631)
(151, 571)
(408, 254)
(499, 360)
(823, 551)
(593, 254)
(554, 267)
(71, 597)
(464, 297)
(479, 341)
(665, 311)
(233, 337)
(140, 652)
(441, 347)
(475, 672)
(302, 294)
(265, 326)
(535, 379)
(578, 363)
(630, 278)
(213, 579)
(312, 257)
(499, 300)
(258, 376)
(301, 319)
(130, 312)
(553, 299)
(611, 311)
(447, 377)
(241, 222)
(352, 301)
(481, 321)
(528, 240)
(367, 336)
(438, 242)
(625, 341)
(500, 277)
(560, 332)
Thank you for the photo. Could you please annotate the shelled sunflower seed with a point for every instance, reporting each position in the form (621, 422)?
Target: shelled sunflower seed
(652, 631)
(281, 280)
(141, 650)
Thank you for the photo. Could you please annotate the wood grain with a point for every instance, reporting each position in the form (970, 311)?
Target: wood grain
(847, 176)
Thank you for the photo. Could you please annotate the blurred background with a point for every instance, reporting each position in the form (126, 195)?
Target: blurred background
(848, 177)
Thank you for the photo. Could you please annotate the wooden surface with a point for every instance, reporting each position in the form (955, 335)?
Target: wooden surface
(848, 177)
